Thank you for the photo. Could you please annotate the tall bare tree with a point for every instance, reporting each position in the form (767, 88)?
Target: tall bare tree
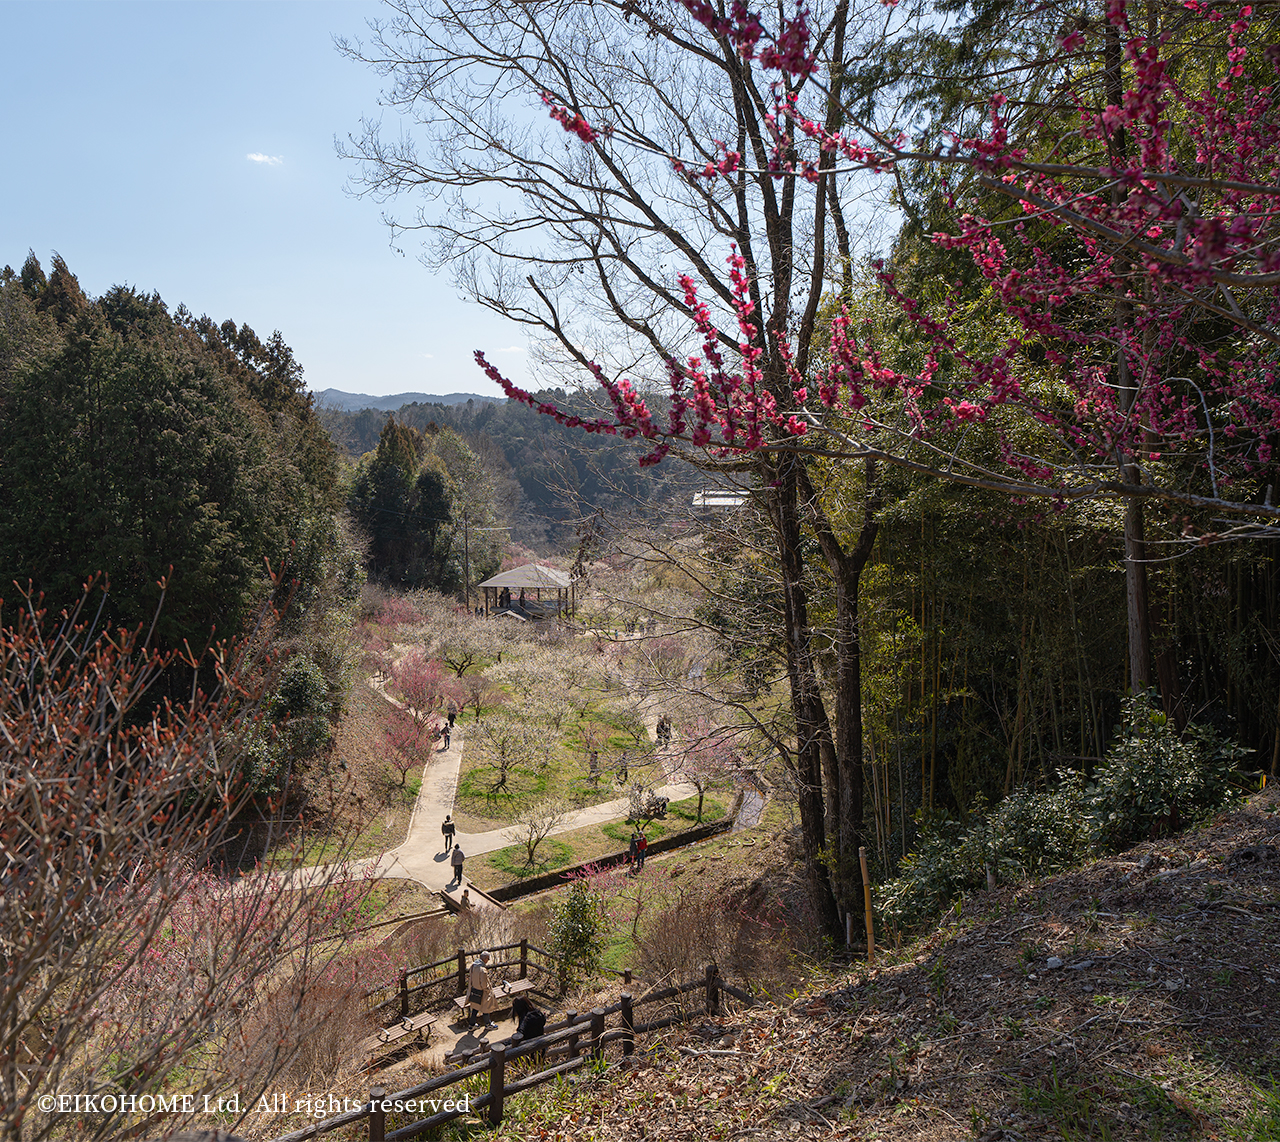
(584, 240)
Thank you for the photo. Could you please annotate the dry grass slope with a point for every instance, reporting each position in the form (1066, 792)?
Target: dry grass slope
(1162, 1021)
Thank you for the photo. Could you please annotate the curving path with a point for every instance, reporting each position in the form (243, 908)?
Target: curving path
(422, 857)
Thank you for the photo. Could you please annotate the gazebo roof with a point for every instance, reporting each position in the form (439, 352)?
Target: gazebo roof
(530, 575)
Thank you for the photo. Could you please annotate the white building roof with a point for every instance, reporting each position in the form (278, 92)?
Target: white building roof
(533, 575)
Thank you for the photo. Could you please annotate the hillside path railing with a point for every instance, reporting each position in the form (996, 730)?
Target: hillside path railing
(583, 1038)
(412, 992)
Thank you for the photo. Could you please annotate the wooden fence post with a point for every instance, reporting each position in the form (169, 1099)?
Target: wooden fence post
(628, 1025)
(524, 958)
(462, 971)
(572, 1018)
(377, 1116)
(404, 995)
(626, 977)
(597, 1031)
(713, 990)
(497, 1083)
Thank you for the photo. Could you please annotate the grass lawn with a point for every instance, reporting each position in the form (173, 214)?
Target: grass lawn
(510, 865)
(560, 769)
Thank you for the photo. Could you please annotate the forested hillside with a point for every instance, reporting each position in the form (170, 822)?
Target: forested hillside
(151, 445)
(547, 475)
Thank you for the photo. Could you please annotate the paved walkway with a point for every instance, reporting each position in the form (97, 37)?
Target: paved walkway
(422, 858)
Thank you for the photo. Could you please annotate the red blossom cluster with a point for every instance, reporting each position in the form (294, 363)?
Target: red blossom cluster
(1180, 224)
(572, 121)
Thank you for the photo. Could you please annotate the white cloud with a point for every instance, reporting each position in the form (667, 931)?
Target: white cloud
(428, 356)
(269, 160)
(509, 349)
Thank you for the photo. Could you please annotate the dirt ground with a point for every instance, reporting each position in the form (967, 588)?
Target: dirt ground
(1131, 999)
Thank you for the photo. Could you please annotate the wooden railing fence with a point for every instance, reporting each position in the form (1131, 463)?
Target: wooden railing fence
(582, 1037)
(448, 977)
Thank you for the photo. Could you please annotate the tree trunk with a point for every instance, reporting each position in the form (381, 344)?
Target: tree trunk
(806, 701)
(846, 792)
(1135, 576)
(1135, 547)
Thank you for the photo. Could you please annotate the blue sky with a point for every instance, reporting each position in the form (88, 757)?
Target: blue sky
(188, 148)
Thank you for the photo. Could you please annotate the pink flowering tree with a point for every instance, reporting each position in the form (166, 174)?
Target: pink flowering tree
(697, 220)
(1166, 393)
(419, 683)
(604, 227)
(412, 726)
(708, 757)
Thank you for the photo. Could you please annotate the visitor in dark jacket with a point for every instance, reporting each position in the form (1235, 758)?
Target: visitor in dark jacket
(530, 1022)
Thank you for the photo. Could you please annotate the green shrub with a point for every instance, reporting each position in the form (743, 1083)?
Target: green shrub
(300, 708)
(303, 691)
(1154, 780)
(1030, 833)
(927, 881)
(576, 933)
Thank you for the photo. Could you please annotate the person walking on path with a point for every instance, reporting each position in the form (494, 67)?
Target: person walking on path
(642, 847)
(633, 849)
(480, 999)
(448, 829)
(456, 860)
(444, 734)
(664, 731)
(453, 712)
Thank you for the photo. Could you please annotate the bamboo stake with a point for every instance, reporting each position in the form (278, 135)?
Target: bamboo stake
(866, 901)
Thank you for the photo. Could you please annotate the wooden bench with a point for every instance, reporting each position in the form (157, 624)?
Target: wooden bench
(508, 991)
(418, 1025)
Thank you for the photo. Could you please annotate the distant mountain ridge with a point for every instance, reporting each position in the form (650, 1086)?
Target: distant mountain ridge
(354, 402)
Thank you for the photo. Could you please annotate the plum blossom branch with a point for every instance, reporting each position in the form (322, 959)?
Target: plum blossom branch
(1150, 246)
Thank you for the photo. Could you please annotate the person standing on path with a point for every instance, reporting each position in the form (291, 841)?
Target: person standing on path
(642, 847)
(664, 731)
(633, 849)
(456, 860)
(448, 829)
(480, 999)
(453, 712)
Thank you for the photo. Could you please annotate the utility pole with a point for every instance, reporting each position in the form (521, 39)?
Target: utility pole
(466, 557)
